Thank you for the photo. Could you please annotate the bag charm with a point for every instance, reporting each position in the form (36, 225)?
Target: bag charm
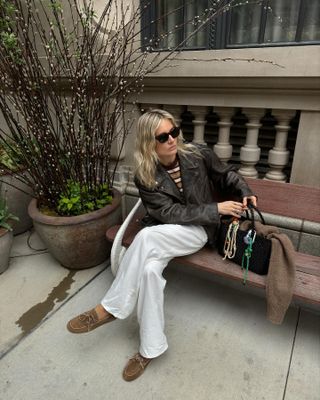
(249, 250)
(230, 244)
(248, 240)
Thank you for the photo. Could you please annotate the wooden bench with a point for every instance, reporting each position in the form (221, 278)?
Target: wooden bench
(285, 200)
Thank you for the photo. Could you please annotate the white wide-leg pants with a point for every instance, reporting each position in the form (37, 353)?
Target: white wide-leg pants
(139, 279)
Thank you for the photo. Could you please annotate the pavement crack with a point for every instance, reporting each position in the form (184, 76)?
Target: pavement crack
(291, 354)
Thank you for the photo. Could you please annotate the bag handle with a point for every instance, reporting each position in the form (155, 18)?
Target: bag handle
(253, 208)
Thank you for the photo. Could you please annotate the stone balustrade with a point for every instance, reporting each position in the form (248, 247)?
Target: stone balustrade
(250, 152)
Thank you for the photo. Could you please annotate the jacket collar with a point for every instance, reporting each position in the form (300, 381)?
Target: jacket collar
(187, 162)
(166, 184)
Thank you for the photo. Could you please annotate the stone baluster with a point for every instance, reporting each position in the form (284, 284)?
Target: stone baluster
(199, 122)
(176, 111)
(250, 152)
(279, 156)
(223, 148)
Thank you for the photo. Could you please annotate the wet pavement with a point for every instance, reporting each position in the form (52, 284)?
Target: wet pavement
(220, 344)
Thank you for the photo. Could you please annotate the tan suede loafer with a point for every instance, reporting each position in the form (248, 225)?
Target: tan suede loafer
(87, 322)
(135, 367)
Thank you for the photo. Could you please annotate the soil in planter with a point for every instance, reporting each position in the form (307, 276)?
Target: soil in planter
(48, 211)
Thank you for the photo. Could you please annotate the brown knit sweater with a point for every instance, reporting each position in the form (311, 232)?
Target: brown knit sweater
(281, 275)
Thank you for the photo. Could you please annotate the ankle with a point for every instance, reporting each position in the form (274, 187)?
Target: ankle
(145, 358)
(101, 311)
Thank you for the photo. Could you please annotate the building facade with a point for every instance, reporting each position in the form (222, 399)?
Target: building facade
(248, 83)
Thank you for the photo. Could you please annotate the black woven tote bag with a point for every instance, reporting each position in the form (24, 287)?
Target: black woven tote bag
(261, 247)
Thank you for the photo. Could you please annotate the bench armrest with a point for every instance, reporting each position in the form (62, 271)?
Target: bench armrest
(117, 251)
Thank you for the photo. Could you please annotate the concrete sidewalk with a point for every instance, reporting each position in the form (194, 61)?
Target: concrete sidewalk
(221, 346)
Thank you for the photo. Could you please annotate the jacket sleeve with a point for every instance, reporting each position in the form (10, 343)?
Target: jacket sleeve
(225, 178)
(164, 209)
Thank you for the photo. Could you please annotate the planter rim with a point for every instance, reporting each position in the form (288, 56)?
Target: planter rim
(37, 216)
(3, 231)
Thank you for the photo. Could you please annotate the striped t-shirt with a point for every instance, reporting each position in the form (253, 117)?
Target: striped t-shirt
(175, 173)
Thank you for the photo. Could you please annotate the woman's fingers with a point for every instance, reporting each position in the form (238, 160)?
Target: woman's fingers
(237, 209)
(253, 199)
(230, 208)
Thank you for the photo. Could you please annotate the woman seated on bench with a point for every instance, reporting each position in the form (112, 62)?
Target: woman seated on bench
(176, 181)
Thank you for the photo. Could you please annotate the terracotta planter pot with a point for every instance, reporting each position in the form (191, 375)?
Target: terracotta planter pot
(78, 242)
(18, 203)
(6, 239)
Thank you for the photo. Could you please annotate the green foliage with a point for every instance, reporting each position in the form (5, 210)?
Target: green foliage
(7, 11)
(10, 157)
(56, 6)
(5, 215)
(9, 40)
(79, 199)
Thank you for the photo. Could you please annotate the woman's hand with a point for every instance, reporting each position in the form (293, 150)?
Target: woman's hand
(233, 208)
(252, 199)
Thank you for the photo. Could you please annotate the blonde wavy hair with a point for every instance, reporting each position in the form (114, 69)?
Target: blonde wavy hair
(145, 155)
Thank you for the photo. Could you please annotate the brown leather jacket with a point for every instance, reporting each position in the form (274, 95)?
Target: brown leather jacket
(201, 178)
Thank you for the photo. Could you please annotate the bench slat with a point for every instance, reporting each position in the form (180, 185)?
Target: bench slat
(307, 287)
(289, 200)
(210, 261)
(308, 264)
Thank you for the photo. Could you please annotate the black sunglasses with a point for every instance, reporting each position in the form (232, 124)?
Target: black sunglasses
(163, 137)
